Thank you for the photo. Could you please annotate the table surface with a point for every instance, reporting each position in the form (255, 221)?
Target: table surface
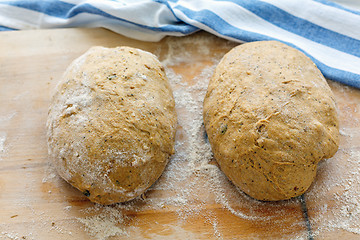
(192, 199)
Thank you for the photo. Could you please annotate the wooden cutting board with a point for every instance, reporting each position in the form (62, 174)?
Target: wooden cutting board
(193, 199)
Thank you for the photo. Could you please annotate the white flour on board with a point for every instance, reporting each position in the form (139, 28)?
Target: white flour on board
(106, 224)
(7, 117)
(3, 135)
(2, 144)
(339, 185)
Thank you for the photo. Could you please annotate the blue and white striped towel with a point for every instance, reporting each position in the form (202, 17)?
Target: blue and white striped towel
(325, 31)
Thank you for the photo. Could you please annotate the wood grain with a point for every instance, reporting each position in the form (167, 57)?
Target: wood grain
(36, 204)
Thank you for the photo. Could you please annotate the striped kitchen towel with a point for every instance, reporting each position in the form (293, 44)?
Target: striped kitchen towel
(327, 32)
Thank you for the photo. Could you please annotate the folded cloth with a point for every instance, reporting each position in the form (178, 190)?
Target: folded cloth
(327, 32)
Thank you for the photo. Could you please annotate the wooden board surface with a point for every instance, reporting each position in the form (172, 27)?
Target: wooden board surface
(193, 199)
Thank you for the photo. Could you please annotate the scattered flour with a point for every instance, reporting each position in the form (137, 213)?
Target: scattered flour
(106, 224)
(3, 135)
(13, 236)
(67, 208)
(21, 95)
(340, 183)
(2, 144)
(8, 117)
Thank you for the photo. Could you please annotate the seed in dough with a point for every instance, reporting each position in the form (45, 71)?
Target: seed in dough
(111, 123)
(271, 118)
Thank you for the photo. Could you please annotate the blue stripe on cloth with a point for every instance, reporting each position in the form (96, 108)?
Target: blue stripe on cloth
(64, 10)
(3, 28)
(338, 75)
(180, 27)
(301, 27)
(209, 19)
(166, 3)
(332, 4)
(216, 23)
(50, 7)
(334, 74)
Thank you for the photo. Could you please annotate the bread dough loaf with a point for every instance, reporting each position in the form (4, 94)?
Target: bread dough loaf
(111, 123)
(270, 117)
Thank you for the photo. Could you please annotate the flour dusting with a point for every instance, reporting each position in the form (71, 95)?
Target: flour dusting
(3, 135)
(2, 144)
(338, 187)
(104, 225)
(8, 117)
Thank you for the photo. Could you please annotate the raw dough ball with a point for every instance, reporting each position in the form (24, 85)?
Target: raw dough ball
(111, 123)
(270, 117)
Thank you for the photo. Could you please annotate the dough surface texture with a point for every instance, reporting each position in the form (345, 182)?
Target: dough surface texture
(111, 123)
(270, 117)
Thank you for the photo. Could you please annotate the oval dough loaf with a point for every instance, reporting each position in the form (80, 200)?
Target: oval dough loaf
(111, 123)
(270, 117)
